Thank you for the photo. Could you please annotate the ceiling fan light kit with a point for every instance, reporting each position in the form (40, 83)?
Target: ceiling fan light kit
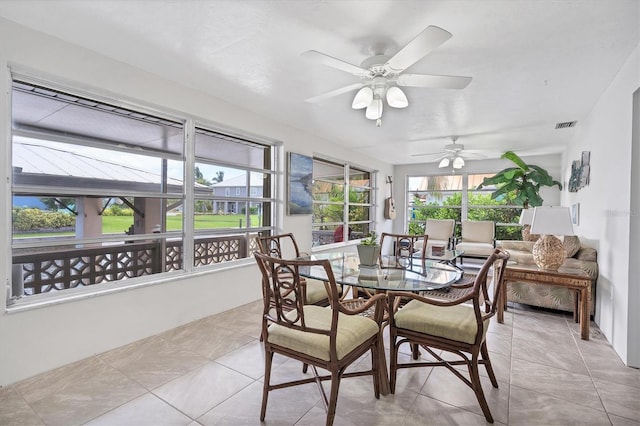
(458, 162)
(381, 75)
(363, 98)
(444, 162)
(374, 110)
(396, 98)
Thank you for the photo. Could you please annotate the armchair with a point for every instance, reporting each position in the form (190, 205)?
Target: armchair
(478, 238)
(284, 246)
(456, 326)
(330, 338)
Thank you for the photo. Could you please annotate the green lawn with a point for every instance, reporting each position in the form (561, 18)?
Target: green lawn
(119, 224)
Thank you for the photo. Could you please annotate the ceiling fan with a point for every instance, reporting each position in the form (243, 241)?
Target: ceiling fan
(381, 76)
(453, 154)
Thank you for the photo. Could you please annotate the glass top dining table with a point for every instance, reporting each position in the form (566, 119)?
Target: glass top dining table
(401, 274)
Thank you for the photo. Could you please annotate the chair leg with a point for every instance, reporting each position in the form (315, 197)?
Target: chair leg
(477, 387)
(333, 398)
(415, 351)
(268, 358)
(375, 366)
(393, 362)
(487, 364)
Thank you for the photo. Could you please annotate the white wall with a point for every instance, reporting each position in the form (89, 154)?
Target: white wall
(605, 205)
(37, 340)
(551, 163)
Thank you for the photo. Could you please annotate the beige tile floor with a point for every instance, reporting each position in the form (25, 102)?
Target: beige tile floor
(209, 373)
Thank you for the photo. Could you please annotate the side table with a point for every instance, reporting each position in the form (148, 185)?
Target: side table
(575, 279)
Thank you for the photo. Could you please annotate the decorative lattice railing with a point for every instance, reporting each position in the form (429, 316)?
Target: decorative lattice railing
(69, 268)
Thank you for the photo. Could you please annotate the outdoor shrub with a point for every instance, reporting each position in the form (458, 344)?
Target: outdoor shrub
(31, 219)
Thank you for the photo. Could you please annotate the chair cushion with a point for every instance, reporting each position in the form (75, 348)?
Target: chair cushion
(353, 330)
(316, 291)
(475, 249)
(451, 322)
(439, 229)
(481, 231)
(418, 245)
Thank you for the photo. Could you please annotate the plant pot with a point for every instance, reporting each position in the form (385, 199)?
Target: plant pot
(368, 255)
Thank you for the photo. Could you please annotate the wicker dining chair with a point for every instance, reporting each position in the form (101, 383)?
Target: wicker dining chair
(331, 337)
(405, 247)
(458, 326)
(284, 246)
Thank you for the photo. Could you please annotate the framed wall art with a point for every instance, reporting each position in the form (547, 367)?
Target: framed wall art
(299, 183)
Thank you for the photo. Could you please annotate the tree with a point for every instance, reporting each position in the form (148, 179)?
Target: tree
(523, 181)
(219, 177)
(54, 204)
(200, 177)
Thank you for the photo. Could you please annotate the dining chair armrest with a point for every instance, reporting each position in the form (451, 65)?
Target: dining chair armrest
(361, 306)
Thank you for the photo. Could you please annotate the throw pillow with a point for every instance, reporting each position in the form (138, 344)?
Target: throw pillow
(571, 245)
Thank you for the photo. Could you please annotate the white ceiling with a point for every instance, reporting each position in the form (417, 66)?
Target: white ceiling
(533, 63)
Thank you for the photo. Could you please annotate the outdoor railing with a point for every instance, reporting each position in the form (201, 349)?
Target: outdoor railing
(44, 272)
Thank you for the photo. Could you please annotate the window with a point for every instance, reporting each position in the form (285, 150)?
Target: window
(342, 199)
(229, 225)
(455, 197)
(98, 193)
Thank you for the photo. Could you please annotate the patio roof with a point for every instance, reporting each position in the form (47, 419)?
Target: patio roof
(38, 165)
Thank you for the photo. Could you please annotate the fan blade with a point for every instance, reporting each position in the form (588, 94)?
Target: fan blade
(437, 155)
(471, 155)
(430, 38)
(333, 93)
(434, 81)
(332, 62)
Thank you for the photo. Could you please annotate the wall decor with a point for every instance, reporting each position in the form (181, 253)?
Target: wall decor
(575, 214)
(299, 183)
(584, 172)
(574, 180)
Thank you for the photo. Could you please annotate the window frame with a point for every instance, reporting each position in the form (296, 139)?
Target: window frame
(368, 224)
(187, 194)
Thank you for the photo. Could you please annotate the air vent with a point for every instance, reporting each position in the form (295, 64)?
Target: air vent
(566, 124)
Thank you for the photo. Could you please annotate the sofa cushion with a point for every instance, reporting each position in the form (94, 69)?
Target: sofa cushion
(509, 245)
(571, 245)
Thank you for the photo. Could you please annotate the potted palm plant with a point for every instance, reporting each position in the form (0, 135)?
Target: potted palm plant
(524, 181)
(369, 249)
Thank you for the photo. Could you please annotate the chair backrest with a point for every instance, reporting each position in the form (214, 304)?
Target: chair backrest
(404, 246)
(486, 299)
(478, 231)
(440, 229)
(283, 294)
(283, 246)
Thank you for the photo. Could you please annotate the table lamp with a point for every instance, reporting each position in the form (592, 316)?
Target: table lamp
(548, 251)
(525, 220)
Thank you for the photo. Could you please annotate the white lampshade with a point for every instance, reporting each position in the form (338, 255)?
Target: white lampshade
(526, 217)
(444, 163)
(374, 110)
(458, 163)
(363, 98)
(396, 98)
(551, 221)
